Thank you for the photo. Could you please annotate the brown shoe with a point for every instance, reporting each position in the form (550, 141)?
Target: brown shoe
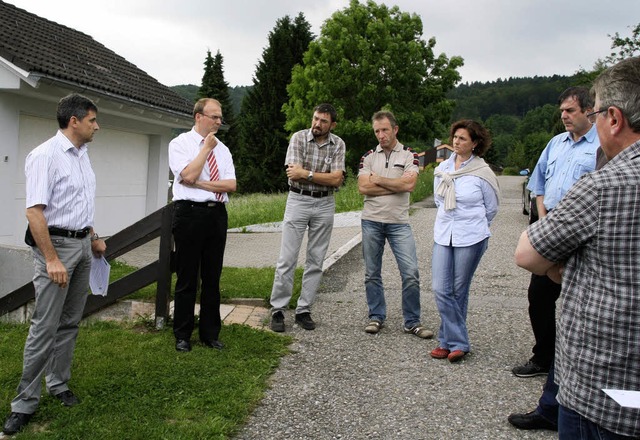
(439, 353)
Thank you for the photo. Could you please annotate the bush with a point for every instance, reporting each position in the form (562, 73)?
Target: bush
(511, 171)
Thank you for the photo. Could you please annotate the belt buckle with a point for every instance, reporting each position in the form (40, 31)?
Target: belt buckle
(211, 204)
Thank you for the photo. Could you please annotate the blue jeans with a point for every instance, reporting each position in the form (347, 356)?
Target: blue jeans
(572, 426)
(452, 269)
(403, 246)
(548, 405)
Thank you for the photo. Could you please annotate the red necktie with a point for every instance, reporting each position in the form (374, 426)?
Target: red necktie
(213, 173)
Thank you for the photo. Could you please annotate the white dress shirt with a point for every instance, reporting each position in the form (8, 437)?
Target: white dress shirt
(182, 151)
(59, 176)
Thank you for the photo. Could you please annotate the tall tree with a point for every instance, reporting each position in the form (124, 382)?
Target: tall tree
(263, 139)
(369, 57)
(214, 86)
(626, 47)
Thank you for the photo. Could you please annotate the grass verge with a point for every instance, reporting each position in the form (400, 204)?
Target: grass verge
(134, 385)
(235, 282)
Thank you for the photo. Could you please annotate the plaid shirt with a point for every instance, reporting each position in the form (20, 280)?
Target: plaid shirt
(324, 158)
(596, 230)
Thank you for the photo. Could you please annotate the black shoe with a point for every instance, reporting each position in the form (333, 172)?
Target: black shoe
(277, 322)
(530, 369)
(304, 320)
(183, 345)
(15, 422)
(213, 344)
(67, 398)
(531, 420)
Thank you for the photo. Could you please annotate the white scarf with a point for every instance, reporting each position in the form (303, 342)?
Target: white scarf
(476, 167)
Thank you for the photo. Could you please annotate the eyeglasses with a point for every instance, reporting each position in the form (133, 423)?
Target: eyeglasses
(596, 112)
(214, 118)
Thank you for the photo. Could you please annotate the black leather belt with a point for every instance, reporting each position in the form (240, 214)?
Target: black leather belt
(199, 204)
(67, 233)
(304, 192)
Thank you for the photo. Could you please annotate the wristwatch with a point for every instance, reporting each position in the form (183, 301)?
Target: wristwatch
(310, 176)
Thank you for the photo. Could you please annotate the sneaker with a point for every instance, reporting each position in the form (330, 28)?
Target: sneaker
(419, 331)
(277, 322)
(304, 320)
(530, 369)
(374, 326)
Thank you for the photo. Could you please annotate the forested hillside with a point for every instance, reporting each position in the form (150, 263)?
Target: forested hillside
(515, 96)
(520, 112)
(190, 92)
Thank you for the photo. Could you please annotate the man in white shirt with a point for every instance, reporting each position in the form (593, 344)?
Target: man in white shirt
(204, 175)
(60, 199)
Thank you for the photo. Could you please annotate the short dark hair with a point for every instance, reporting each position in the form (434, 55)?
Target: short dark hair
(327, 108)
(477, 132)
(581, 94)
(382, 114)
(73, 105)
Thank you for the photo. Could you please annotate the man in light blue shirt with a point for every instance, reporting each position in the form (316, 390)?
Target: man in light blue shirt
(566, 157)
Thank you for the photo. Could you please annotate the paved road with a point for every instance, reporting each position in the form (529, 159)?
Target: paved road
(341, 383)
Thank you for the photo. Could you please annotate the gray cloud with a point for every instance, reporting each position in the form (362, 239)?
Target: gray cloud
(497, 38)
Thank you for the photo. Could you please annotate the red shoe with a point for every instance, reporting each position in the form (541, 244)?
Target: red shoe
(456, 355)
(439, 353)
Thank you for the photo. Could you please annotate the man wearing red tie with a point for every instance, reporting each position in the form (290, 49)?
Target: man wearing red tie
(204, 175)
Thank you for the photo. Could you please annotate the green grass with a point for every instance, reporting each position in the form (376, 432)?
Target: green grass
(235, 282)
(253, 209)
(134, 385)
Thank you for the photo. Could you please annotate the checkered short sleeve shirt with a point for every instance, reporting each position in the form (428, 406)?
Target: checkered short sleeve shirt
(324, 158)
(595, 229)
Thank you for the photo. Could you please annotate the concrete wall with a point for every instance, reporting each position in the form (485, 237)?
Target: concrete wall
(16, 268)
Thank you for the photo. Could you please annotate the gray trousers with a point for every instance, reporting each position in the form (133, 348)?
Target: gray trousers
(54, 325)
(302, 212)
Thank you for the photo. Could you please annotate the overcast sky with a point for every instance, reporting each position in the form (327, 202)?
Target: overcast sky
(169, 39)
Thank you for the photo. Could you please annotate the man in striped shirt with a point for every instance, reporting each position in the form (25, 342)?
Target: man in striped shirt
(60, 196)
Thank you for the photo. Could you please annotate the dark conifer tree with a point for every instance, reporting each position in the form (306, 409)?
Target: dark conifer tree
(263, 139)
(215, 86)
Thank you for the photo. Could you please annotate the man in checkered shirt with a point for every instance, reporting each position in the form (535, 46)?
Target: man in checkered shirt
(594, 234)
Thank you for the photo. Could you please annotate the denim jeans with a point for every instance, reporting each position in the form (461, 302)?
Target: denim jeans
(403, 246)
(452, 269)
(572, 426)
(548, 405)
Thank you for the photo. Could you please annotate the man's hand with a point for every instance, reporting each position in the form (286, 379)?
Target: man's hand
(210, 142)
(555, 273)
(295, 172)
(374, 178)
(57, 273)
(98, 247)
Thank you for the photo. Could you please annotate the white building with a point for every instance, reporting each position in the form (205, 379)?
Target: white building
(42, 61)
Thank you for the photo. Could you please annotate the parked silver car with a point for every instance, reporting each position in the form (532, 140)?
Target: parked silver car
(528, 200)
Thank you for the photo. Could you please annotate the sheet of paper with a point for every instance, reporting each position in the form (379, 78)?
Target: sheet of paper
(99, 276)
(628, 399)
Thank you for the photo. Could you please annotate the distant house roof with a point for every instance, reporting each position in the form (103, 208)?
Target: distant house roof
(47, 49)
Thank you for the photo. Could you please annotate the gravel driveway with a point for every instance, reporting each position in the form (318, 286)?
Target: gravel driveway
(341, 383)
